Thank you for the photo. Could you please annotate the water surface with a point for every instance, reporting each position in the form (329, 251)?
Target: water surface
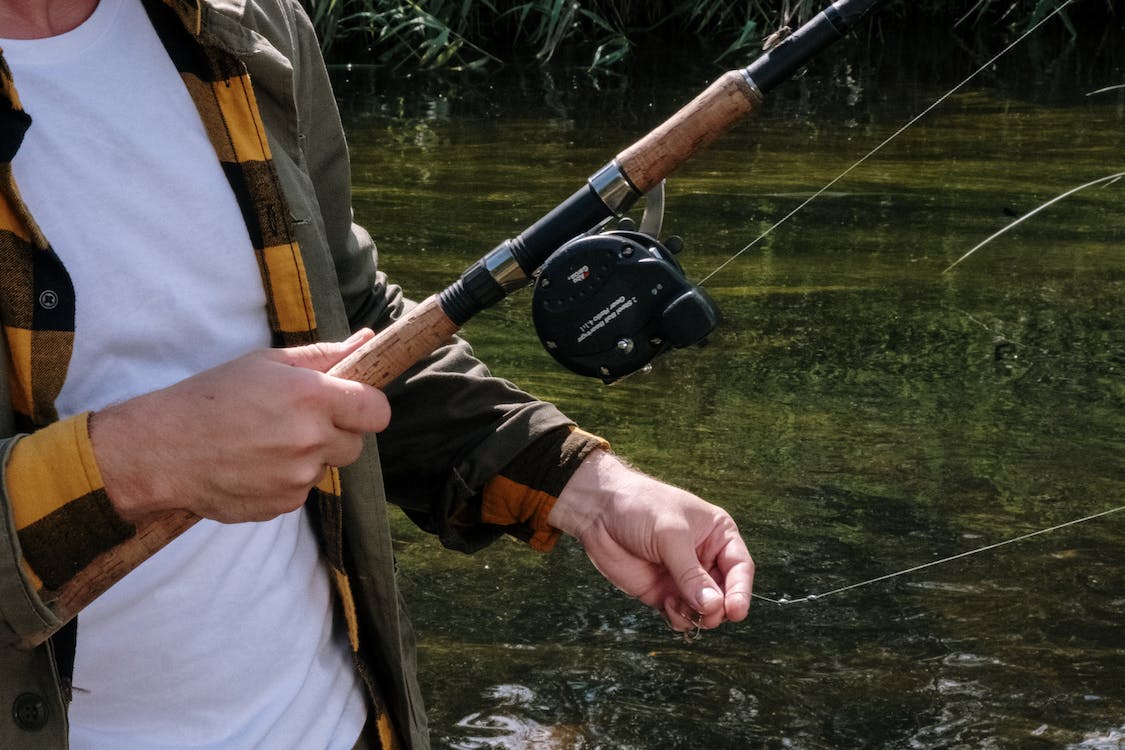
(858, 411)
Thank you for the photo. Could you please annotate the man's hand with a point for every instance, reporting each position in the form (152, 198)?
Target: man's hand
(244, 441)
(658, 543)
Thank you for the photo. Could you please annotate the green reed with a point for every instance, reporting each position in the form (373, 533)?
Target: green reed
(599, 35)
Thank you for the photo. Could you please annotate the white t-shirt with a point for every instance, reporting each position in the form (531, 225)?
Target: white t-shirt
(224, 639)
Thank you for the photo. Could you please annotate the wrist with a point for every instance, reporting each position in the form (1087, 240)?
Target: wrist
(129, 491)
(588, 493)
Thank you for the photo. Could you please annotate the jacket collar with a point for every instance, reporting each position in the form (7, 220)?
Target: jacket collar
(190, 13)
(219, 22)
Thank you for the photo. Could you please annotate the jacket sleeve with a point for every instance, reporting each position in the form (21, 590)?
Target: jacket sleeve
(59, 506)
(469, 456)
(55, 518)
(22, 612)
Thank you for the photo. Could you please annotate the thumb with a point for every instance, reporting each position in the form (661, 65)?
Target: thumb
(323, 355)
(695, 584)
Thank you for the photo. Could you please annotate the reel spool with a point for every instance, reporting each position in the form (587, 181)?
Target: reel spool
(605, 305)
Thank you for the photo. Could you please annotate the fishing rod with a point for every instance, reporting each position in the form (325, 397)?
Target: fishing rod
(587, 307)
(606, 303)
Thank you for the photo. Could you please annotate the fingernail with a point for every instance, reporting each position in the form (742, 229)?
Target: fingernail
(356, 336)
(709, 596)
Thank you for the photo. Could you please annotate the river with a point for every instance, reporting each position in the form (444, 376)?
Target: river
(860, 410)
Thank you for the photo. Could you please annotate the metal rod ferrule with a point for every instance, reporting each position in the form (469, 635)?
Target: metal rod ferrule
(756, 92)
(505, 270)
(614, 188)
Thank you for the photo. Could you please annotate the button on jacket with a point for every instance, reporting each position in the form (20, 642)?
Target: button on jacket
(468, 456)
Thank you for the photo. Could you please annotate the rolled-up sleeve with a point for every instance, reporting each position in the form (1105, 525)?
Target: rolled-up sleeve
(57, 519)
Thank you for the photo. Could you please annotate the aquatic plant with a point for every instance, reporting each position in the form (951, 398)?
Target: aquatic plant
(600, 34)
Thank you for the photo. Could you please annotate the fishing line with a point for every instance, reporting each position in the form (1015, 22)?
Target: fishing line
(893, 136)
(1107, 89)
(1109, 179)
(784, 600)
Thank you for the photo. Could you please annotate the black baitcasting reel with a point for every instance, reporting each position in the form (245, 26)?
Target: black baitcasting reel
(605, 305)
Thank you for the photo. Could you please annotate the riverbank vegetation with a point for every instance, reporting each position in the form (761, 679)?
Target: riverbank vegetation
(602, 35)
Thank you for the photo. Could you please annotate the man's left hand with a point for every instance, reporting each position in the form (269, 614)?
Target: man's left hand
(663, 545)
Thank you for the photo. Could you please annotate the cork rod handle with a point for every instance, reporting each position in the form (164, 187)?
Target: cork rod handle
(695, 126)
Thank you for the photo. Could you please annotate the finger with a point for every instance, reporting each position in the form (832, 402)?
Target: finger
(344, 449)
(324, 355)
(681, 618)
(695, 585)
(357, 407)
(736, 567)
(719, 616)
(732, 566)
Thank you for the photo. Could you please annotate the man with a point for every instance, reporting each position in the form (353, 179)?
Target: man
(168, 319)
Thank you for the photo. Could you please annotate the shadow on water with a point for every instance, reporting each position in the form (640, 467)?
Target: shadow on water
(858, 411)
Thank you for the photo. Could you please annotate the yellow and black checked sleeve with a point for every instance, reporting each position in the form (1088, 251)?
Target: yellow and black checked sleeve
(61, 511)
(521, 496)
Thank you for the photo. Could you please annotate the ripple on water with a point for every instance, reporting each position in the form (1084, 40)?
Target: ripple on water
(509, 725)
(1114, 739)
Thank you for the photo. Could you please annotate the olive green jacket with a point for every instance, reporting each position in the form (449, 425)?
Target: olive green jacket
(455, 427)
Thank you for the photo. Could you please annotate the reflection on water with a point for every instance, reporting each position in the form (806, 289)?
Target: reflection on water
(858, 411)
(508, 726)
